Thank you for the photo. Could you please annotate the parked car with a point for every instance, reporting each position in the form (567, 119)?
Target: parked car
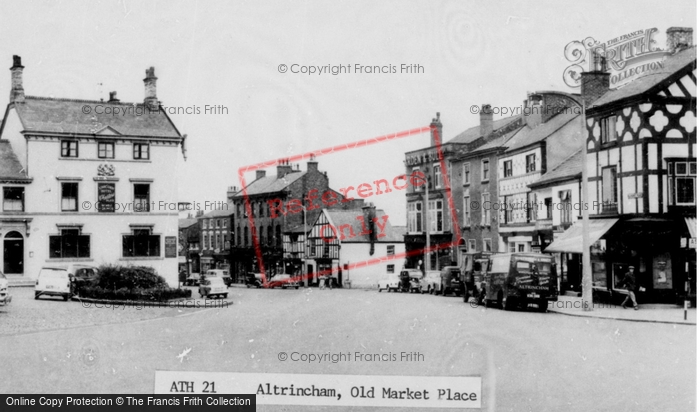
(253, 280)
(5, 296)
(192, 279)
(211, 286)
(430, 282)
(516, 280)
(451, 281)
(54, 281)
(220, 273)
(409, 280)
(389, 282)
(82, 275)
(284, 281)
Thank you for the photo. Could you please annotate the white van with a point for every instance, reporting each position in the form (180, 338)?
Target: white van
(54, 281)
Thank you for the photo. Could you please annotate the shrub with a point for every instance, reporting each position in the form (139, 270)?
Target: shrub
(142, 283)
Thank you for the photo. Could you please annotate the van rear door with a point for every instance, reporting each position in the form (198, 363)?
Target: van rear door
(535, 276)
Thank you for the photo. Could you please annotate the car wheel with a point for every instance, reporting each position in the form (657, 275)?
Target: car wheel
(296, 287)
(224, 296)
(36, 295)
(66, 297)
(542, 305)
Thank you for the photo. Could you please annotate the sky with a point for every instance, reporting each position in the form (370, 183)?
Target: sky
(228, 55)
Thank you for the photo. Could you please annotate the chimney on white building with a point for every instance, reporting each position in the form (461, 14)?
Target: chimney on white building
(486, 120)
(151, 99)
(17, 90)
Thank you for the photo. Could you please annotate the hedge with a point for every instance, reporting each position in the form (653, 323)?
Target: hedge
(116, 282)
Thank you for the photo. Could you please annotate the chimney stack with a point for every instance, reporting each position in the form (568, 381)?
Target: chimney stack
(17, 90)
(151, 99)
(283, 168)
(312, 166)
(231, 191)
(596, 83)
(436, 125)
(259, 174)
(370, 212)
(678, 38)
(113, 98)
(486, 120)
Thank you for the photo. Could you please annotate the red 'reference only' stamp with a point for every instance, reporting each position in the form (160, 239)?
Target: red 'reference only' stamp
(317, 199)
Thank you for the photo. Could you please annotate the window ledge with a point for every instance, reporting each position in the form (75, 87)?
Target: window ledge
(55, 260)
(141, 258)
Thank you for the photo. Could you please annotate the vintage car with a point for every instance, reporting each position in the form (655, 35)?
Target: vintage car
(54, 281)
(5, 296)
(220, 273)
(254, 280)
(282, 280)
(211, 286)
(450, 281)
(388, 282)
(430, 283)
(410, 280)
(192, 279)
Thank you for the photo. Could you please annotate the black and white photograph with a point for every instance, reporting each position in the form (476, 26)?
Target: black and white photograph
(306, 205)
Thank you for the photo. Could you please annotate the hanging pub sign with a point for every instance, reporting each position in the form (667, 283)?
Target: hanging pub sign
(105, 197)
(626, 57)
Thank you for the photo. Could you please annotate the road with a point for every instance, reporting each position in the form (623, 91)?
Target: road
(528, 361)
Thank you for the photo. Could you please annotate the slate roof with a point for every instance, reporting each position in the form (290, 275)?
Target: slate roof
(51, 115)
(648, 81)
(570, 168)
(562, 123)
(349, 217)
(185, 223)
(10, 167)
(225, 211)
(474, 133)
(498, 142)
(271, 184)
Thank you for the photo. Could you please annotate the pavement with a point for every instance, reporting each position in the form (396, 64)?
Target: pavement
(673, 314)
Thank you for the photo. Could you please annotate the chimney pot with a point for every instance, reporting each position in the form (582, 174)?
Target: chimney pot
(113, 97)
(259, 174)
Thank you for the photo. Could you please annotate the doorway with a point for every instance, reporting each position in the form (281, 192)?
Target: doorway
(13, 255)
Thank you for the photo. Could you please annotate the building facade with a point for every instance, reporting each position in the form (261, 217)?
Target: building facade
(215, 238)
(91, 187)
(642, 163)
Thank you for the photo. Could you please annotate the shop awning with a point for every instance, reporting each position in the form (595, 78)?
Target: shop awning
(571, 240)
(692, 223)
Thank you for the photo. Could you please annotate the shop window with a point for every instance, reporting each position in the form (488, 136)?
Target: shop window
(71, 243)
(105, 150)
(141, 151)
(141, 243)
(69, 148)
(13, 199)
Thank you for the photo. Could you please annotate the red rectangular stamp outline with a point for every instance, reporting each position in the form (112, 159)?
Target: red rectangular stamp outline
(339, 148)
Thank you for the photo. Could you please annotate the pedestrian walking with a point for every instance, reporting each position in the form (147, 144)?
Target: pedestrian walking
(629, 283)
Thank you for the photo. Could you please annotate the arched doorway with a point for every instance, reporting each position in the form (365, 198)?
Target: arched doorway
(13, 255)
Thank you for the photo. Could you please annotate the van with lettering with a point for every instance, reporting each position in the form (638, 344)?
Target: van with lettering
(515, 280)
